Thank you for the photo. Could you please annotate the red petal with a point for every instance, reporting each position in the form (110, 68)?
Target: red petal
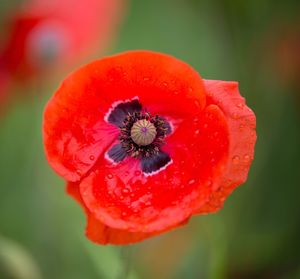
(123, 198)
(241, 123)
(102, 234)
(74, 127)
(74, 131)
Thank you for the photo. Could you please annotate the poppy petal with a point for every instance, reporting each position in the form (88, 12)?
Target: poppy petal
(75, 131)
(116, 154)
(102, 234)
(122, 197)
(119, 112)
(241, 123)
(155, 163)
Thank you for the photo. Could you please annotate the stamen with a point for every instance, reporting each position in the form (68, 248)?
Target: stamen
(143, 132)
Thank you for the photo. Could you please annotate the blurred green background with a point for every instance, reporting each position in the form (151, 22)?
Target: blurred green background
(256, 235)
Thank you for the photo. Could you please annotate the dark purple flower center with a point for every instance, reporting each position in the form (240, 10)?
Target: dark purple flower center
(141, 136)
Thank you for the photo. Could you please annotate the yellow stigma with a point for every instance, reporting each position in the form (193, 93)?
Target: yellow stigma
(143, 132)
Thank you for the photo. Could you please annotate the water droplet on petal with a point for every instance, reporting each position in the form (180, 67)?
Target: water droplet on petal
(124, 214)
(137, 173)
(235, 115)
(197, 132)
(92, 157)
(192, 181)
(197, 103)
(236, 160)
(208, 183)
(246, 158)
(125, 191)
(148, 203)
(132, 195)
(205, 125)
(146, 78)
(240, 105)
(109, 176)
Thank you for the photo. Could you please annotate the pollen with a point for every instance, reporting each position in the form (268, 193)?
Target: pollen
(143, 132)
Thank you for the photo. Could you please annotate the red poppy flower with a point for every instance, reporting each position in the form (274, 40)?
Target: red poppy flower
(145, 143)
(52, 34)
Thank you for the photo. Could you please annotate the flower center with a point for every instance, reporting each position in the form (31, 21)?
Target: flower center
(141, 136)
(143, 132)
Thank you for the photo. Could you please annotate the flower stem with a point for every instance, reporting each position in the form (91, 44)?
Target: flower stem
(126, 255)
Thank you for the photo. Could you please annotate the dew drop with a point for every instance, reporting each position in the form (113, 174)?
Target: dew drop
(146, 78)
(205, 125)
(235, 115)
(197, 103)
(148, 203)
(132, 195)
(208, 183)
(246, 158)
(124, 214)
(109, 176)
(125, 191)
(135, 211)
(236, 160)
(197, 132)
(165, 84)
(176, 92)
(240, 105)
(196, 120)
(121, 198)
(192, 181)
(92, 157)
(137, 173)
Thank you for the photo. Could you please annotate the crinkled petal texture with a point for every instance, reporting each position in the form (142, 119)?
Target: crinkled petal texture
(242, 137)
(122, 203)
(100, 233)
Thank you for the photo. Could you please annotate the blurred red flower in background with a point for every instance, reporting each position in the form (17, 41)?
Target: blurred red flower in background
(43, 35)
(4, 88)
(144, 143)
